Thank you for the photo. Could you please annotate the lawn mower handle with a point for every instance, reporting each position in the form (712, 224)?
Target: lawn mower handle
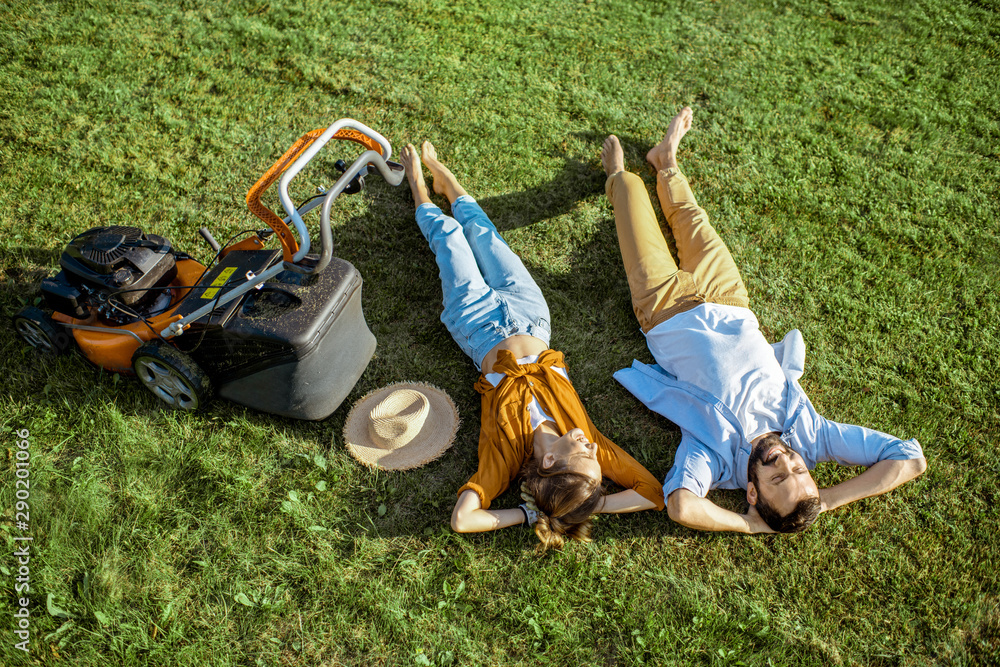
(393, 174)
(346, 129)
(310, 152)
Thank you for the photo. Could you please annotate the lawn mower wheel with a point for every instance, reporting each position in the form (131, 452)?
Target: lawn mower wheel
(40, 331)
(172, 376)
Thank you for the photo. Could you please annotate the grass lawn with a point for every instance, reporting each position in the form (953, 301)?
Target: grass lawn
(846, 150)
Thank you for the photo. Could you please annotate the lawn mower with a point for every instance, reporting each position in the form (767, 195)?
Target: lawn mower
(280, 330)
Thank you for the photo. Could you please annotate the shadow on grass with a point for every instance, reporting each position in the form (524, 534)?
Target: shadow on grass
(24, 269)
(575, 181)
(578, 179)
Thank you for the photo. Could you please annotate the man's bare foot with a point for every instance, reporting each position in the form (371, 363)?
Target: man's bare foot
(664, 154)
(445, 182)
(612, 156)
(415, 175)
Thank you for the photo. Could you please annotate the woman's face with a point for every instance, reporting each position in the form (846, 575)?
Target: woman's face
(578, 454)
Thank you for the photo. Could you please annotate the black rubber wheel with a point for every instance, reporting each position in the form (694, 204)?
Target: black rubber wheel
(172, 376)
(40, 331)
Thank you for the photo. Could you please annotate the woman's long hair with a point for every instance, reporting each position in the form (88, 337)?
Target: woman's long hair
(566, 501)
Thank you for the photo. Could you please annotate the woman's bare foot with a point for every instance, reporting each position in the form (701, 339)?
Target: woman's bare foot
(612, 156)
(445, 182)
(415, 175)
(664, 154)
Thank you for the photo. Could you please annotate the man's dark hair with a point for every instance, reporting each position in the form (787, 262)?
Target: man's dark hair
(805, 511)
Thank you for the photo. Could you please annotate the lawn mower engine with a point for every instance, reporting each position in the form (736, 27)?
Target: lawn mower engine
(280, 330)
(137, 268)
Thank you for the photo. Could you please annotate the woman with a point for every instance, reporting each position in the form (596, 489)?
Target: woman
(533, 422)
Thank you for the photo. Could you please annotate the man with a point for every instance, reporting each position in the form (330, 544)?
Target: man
(745, 421)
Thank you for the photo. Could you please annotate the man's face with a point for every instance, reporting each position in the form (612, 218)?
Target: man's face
(576, 452)
(779, 476)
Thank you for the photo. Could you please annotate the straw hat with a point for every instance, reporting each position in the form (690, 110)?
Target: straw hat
(402, 426)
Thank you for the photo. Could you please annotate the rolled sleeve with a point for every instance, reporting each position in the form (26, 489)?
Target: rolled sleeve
(848, 445)
(484, 499)
(695, 468)
(619, 466)
(497, 469)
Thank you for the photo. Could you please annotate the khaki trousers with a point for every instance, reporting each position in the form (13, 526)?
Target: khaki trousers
(660, 289)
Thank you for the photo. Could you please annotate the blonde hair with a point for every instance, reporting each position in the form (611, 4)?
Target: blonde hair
(565, 500)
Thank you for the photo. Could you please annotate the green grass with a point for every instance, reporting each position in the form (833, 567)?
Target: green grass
(847, 152)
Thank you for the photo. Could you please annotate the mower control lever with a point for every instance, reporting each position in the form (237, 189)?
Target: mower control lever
(392, 177)
(357, 183)
(207, 235)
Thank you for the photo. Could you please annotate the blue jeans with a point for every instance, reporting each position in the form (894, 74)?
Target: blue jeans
(488, 294)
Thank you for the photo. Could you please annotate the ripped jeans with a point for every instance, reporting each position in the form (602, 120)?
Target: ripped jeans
(488, 294)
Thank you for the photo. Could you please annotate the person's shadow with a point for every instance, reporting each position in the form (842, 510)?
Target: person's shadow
(580, 178)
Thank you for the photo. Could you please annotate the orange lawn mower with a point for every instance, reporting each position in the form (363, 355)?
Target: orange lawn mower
(278, 330)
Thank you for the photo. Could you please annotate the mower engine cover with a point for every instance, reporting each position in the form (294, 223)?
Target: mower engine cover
(109, 259)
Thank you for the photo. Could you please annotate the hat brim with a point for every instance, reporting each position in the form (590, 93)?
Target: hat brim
(434, 439)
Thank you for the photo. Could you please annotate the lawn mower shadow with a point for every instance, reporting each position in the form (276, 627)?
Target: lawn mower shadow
(25, 268)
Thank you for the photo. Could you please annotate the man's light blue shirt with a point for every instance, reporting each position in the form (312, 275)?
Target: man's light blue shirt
(714, 451)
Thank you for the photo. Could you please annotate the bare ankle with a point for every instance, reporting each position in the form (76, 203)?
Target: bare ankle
(420, 195)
